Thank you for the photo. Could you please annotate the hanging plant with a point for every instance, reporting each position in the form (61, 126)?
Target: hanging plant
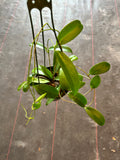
(63, 77)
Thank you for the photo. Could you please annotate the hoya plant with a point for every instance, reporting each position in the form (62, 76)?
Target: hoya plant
(62, 77)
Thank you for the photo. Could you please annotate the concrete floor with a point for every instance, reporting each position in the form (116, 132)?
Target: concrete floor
(75, 134)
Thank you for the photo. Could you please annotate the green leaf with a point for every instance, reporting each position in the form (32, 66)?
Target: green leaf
(63, 81)
(70, 31)
(21, 85)
(95, 115)
(50, 91)
(42, 70)
(56, 64)
(35, 80)
(80, 77)
(95, 81)
(49, 100)
(39, 45)
(36, 106)
(99, 68)
(73, 57)
(69, 70)
(78, 98)
(64, 48)
(26, 87)
(41, 97)
(81, 84)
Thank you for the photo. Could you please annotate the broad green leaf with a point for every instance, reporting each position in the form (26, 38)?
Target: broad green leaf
(99, 68)
(65, 84)
(95, 81)
(39, 45)
(69, 70)
(95, 115)
(36, 106)
(78, 98)
(64, 48)
(49, 100)
(41, 97)
(26, 87)
(70, 31)
(50, 91)
(73, 57)
(42, 70)
(21, 85)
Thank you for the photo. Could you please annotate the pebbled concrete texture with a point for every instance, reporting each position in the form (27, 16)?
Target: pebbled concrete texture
(75, 134)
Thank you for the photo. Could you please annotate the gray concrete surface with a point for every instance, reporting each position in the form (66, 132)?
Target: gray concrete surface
(75, 136)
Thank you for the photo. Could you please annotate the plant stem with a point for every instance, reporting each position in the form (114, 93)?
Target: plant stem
(92, 99)
(50, 29)
(66, 100)
(84, 72)
(88, 91)
(33, 94)
(85, 76)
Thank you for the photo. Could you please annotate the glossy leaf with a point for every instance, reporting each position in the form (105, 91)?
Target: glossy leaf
(64, 48)
(78, 98)
(70, 31)
(21, 85)
(50, 91)
(73, 57)
(35, 80)
(42, 70)
(99, 68)
(69, 70)
(95, 81)
(95, 115)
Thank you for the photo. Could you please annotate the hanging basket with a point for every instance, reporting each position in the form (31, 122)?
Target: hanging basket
(53, 82)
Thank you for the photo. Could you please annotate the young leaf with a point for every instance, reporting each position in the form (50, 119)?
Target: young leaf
(73, 57)
(95, 81)
(36, 106)
(64, 48)
(50, 91)
(99, 68)
(95, 115)
(78, 98)
(41, 97)
(26, 87)
(69, 70)
(49, 100)
(70, 31)
(21, 85)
